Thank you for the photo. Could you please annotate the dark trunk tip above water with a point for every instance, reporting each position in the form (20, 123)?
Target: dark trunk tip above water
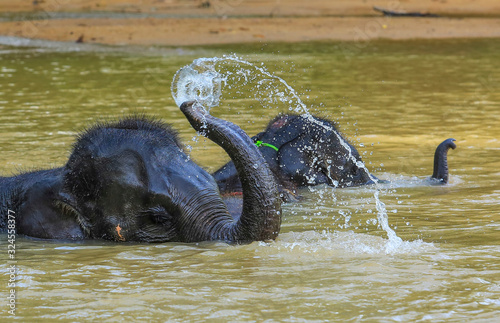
(441, 160)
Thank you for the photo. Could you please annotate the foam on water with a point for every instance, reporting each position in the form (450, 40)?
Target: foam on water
(340, 243)
(206, 80)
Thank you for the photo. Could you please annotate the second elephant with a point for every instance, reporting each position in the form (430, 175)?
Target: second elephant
(305, 150)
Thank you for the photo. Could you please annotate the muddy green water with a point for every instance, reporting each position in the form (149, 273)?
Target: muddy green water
(394, 100)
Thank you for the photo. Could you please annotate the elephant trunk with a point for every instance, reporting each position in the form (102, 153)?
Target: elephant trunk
(204, 217)
(441, 160)
(261, 213)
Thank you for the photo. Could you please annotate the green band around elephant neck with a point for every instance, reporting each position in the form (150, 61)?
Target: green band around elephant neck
(259, 143)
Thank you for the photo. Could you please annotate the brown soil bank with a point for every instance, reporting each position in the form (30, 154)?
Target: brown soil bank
(199, 22)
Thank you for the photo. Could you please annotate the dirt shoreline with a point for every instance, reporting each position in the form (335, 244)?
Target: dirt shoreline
(240, 21)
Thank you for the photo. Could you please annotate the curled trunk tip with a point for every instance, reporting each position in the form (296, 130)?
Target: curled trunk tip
(447, 144)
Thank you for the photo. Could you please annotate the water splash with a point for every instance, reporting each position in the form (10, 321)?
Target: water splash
(207, 79)
(334, 244)
(198, 81)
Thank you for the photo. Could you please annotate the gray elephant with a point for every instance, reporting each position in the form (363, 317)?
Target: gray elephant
(131, 181)
(305, 150)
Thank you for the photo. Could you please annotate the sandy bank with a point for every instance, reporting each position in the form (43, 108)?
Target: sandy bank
(182, 23)
(203, 31)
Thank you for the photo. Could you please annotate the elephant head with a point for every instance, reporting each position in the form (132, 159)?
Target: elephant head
(303, 150)
(131, 181)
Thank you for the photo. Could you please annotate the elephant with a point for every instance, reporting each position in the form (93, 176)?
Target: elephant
(130, 180)
(306, 150)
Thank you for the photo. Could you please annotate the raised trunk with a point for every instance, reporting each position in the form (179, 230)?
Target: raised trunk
(261, 213)
(441, 160)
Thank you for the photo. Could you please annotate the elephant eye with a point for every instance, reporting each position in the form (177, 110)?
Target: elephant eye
(66, 209)
(70, 211)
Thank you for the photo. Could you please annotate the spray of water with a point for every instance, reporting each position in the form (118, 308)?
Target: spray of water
(207, 79)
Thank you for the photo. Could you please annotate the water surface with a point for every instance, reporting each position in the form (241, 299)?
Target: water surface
(395, 101)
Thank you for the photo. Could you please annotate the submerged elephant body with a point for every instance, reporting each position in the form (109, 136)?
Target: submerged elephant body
(304, 150)
(131, 181)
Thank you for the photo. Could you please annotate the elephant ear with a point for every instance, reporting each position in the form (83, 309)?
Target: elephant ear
(283, 129)
(279, 122)
(295, 161)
